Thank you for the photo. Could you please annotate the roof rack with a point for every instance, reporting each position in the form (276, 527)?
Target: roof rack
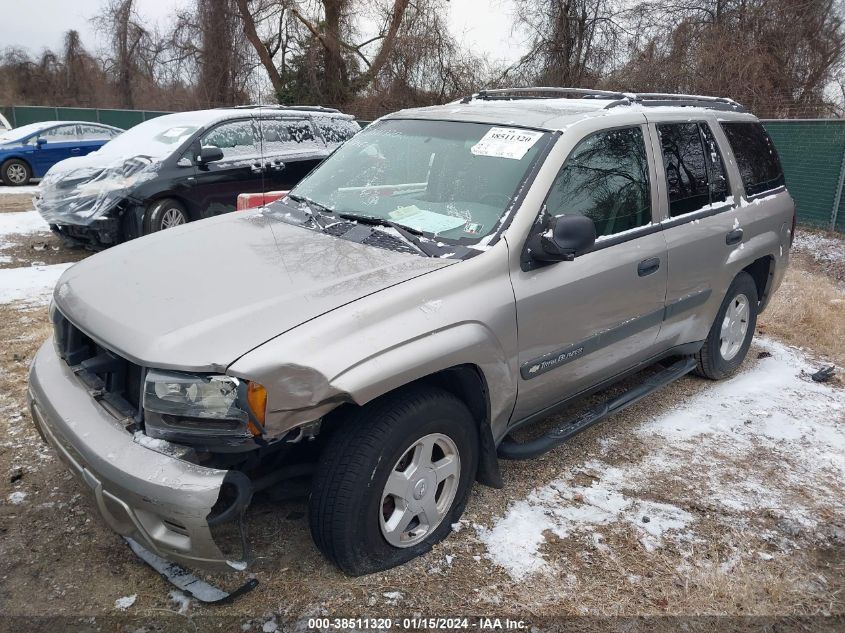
(278, 106)
(652, 99)
(655, 99)
(492, 94)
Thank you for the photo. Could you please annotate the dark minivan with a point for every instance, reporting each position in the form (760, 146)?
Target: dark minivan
(186, 166)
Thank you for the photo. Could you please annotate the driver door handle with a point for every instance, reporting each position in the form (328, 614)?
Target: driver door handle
(648, 266)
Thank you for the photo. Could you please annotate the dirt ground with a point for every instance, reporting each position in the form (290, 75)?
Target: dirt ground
(675, 525)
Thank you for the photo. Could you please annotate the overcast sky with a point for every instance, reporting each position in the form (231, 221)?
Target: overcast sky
(482, 25)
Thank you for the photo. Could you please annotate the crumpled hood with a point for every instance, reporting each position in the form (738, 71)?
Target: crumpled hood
(81, 189)
(199, 296)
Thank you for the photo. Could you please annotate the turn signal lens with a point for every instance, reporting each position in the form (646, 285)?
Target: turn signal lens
(256, 397)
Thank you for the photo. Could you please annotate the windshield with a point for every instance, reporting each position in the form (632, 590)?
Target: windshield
(444, 179)
(23, 131)
(156, 138)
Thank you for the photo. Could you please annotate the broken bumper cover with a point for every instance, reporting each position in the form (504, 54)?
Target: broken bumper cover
(160, 501)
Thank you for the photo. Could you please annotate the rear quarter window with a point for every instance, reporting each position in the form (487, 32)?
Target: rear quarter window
(337, 130)
(756, 157)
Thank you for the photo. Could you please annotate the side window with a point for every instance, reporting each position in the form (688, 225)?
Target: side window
(756, 157)
(61, 134)
(287, 135)
(237, 139)
(337, 130)
(686, 168)
(719, 188)
(606, 179)
(95, 133)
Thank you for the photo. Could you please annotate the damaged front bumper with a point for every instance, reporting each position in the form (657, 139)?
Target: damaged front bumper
(167, 504)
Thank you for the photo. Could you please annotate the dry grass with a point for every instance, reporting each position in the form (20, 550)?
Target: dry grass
(808, 310)
(12, 202)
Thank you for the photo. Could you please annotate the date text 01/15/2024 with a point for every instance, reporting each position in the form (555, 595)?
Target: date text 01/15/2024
(419, 623)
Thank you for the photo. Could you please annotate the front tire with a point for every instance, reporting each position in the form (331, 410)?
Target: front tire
(164, 214)
(731, 333)
(15, 172)
(393, 479)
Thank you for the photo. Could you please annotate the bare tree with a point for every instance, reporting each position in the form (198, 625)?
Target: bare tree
(573, 42)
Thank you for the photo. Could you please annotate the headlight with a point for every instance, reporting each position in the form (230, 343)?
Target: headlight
(193, 408)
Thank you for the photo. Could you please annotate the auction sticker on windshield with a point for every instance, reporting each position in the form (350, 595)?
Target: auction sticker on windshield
(503, 142)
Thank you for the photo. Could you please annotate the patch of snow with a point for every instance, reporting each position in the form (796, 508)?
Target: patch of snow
(822, 248)
(182, 601)
(32, 284)
(25, 190)
(269, 626)
(565, 508)
(23, 222)
(17, 497)
(125, 602)
(393, 597)
(705, 444)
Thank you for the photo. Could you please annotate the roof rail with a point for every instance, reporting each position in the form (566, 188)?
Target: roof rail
(654, 99)
(619, 98)
(534, 92)
(278, 106)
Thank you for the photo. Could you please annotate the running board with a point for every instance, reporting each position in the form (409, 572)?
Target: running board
(511, 449)
(187, 582)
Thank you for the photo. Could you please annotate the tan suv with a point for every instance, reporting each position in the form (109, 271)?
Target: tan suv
(447, 276)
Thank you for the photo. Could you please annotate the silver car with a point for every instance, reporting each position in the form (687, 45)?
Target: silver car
(449, 275)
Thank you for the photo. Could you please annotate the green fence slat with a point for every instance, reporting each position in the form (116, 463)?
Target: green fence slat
(76, 114)
(124, 119)
(811, 152)
(121, 118)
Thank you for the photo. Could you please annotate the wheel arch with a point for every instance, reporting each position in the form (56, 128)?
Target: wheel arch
(23, 159)
(467, 382)
(762, 271)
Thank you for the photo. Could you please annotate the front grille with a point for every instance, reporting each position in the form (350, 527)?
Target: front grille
(111, 379)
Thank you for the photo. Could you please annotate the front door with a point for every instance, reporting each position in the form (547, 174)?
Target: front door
(54, 145)
(241, 170)
(583, 321)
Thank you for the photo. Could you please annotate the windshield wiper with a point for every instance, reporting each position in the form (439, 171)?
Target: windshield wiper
(410, 235)
(312, 206)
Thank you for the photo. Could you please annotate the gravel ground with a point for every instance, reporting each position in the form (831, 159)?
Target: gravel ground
(710, 499)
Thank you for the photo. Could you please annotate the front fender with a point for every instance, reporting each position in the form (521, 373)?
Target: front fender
(468, 343)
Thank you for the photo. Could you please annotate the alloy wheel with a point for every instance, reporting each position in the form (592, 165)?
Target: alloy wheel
(16, 173)
(420, 490)
(734, 327)
(171, 218)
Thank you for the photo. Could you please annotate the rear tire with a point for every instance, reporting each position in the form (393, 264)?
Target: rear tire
(393, 479)
(731, 333)
(164, 214)
(15, 172)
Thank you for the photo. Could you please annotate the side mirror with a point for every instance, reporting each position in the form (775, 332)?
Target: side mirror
(209, 154)
(40, 141)
(566, 237)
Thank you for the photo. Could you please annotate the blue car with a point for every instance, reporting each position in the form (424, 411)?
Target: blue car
(30, 150)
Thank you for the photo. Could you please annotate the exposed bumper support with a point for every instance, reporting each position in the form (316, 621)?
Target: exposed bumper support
(158, 500)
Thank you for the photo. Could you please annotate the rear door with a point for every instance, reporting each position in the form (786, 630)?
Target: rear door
(701, 225)
(584, 321)
(92, 137)
(216, 185)
(291, 149)
(57, 144)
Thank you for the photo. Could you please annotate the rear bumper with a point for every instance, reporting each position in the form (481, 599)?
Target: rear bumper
(160, 501)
